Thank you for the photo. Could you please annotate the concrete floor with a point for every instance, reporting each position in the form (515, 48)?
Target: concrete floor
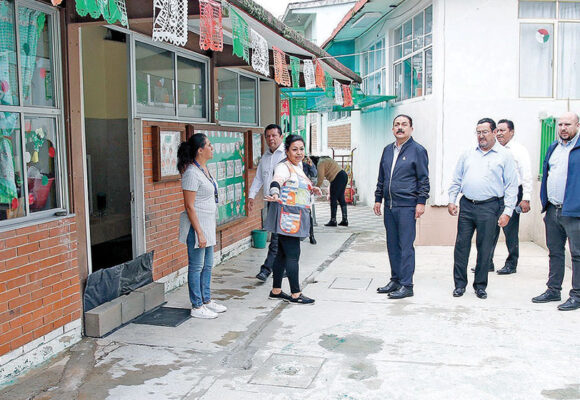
(352, 344)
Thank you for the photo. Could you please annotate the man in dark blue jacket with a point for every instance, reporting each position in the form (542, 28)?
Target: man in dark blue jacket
(560, 195)
(404, 185)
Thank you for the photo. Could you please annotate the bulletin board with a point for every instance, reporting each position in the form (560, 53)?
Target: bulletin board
(228, 167)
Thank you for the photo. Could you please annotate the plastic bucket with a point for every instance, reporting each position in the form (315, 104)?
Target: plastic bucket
(259, 238)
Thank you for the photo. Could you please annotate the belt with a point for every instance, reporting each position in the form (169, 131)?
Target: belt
(556, 205)
(483, 201)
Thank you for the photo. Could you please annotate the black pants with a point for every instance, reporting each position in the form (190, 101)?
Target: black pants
(400, 225)
(287, 258)
(337, 187)
(512, 239)
(483, 219)
(558, 229)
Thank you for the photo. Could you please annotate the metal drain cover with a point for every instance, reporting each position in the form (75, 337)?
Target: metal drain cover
(350, 283)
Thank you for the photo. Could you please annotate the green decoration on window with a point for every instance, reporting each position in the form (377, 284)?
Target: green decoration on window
(108, 9)
(295, 68)
(241, 36)
(329, 83)
(298, 107)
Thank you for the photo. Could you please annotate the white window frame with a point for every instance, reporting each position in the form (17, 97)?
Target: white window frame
(257, 105)
(343, 118)
(555, 22)
(370, 52)
(423, 50)
(177, 51)
(55, 112)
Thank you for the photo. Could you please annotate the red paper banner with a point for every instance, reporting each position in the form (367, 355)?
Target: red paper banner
(347, 96)
(281, 74)
(285, 107)
(211, 35)
(319, 74)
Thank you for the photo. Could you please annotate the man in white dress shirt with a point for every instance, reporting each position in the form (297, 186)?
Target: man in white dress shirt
(505, 136)
(264, 174)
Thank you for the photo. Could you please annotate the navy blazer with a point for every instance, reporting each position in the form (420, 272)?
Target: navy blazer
(571, 206)
(409, 185)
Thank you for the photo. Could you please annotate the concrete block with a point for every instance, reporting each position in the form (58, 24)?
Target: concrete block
(132, 305)
(154, 295)
(103, 319)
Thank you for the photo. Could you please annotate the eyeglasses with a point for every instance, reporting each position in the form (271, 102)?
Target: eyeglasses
(482, 133)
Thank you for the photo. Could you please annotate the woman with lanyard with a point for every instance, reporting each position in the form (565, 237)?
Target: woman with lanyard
(291, 191)
(197, 227)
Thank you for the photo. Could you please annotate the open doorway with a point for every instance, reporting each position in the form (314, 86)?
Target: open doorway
(107, 145)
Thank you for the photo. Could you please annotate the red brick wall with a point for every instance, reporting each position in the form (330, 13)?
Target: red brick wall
(164, 204)
(339, 136)
(39, 282)
(314, 137)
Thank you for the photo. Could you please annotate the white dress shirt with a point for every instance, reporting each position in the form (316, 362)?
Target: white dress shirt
(523, 165)
(265, 171)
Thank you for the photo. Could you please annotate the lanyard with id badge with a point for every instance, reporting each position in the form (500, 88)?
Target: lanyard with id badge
(210, 178)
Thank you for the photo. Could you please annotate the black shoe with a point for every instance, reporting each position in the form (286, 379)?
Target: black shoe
(332, 222)
(481, 293)
(491, 269)
(404, 291)
(506, 270)
(312, 240)
(279, 296)
(389, 287)
(458, 292)
(300, 300)
(547, 296)
(569, 305)
(344, 222)
(263, 275)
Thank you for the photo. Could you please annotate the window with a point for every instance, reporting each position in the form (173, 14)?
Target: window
(413, 56)
(338, 115)
(156, 71)
(238, 97)
(548, 28)
(374, 69)
(31, 120)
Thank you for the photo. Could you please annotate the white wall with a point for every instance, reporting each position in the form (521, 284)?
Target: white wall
(325, 20)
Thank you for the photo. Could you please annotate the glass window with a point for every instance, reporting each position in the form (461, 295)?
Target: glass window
(398, 47)
(371, 59)
(39, 155)
(537, 9)
(570, 10)
(192, 88)
(12, 193)
(248, 100)
(536, 56)
(569, 61)
(413, 71)
(429, 71)
(154, 78)
(228, 96)
(30, 154)
(35, 57)
(8, 66)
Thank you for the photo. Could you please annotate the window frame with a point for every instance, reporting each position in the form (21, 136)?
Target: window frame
(555, 22)
(55, 112)
(176, 51)
(256, 79)
(422, 51)
(367, 75)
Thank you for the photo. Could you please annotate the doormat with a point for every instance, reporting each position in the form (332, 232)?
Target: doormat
(164, 316)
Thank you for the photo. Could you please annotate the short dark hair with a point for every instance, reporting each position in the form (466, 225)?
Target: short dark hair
(490, 121)
(404, 116)
(509, 123)
(291, 139)
(274, 126)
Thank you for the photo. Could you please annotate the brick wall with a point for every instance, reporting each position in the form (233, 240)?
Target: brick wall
(164, 204)
(39, 282)
(339, 136)
(314, 137)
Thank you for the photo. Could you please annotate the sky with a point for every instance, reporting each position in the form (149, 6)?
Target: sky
(276, 7)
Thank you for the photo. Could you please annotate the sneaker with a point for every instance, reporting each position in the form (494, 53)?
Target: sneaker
(203, 312)
(279, 296)
(300, 300)
(215, 307)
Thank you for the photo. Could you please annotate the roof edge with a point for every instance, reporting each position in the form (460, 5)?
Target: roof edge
(349, 15)
(268, 20)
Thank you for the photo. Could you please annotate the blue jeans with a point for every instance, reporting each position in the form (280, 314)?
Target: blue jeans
(199, 271)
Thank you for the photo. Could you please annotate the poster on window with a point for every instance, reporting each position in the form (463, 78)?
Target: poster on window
(165, 145)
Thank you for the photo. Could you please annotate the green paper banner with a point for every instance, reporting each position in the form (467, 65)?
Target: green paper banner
(329, 90)
(295, 68)
(240, 35)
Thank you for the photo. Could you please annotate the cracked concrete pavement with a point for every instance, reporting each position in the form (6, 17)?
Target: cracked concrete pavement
(352, 344)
